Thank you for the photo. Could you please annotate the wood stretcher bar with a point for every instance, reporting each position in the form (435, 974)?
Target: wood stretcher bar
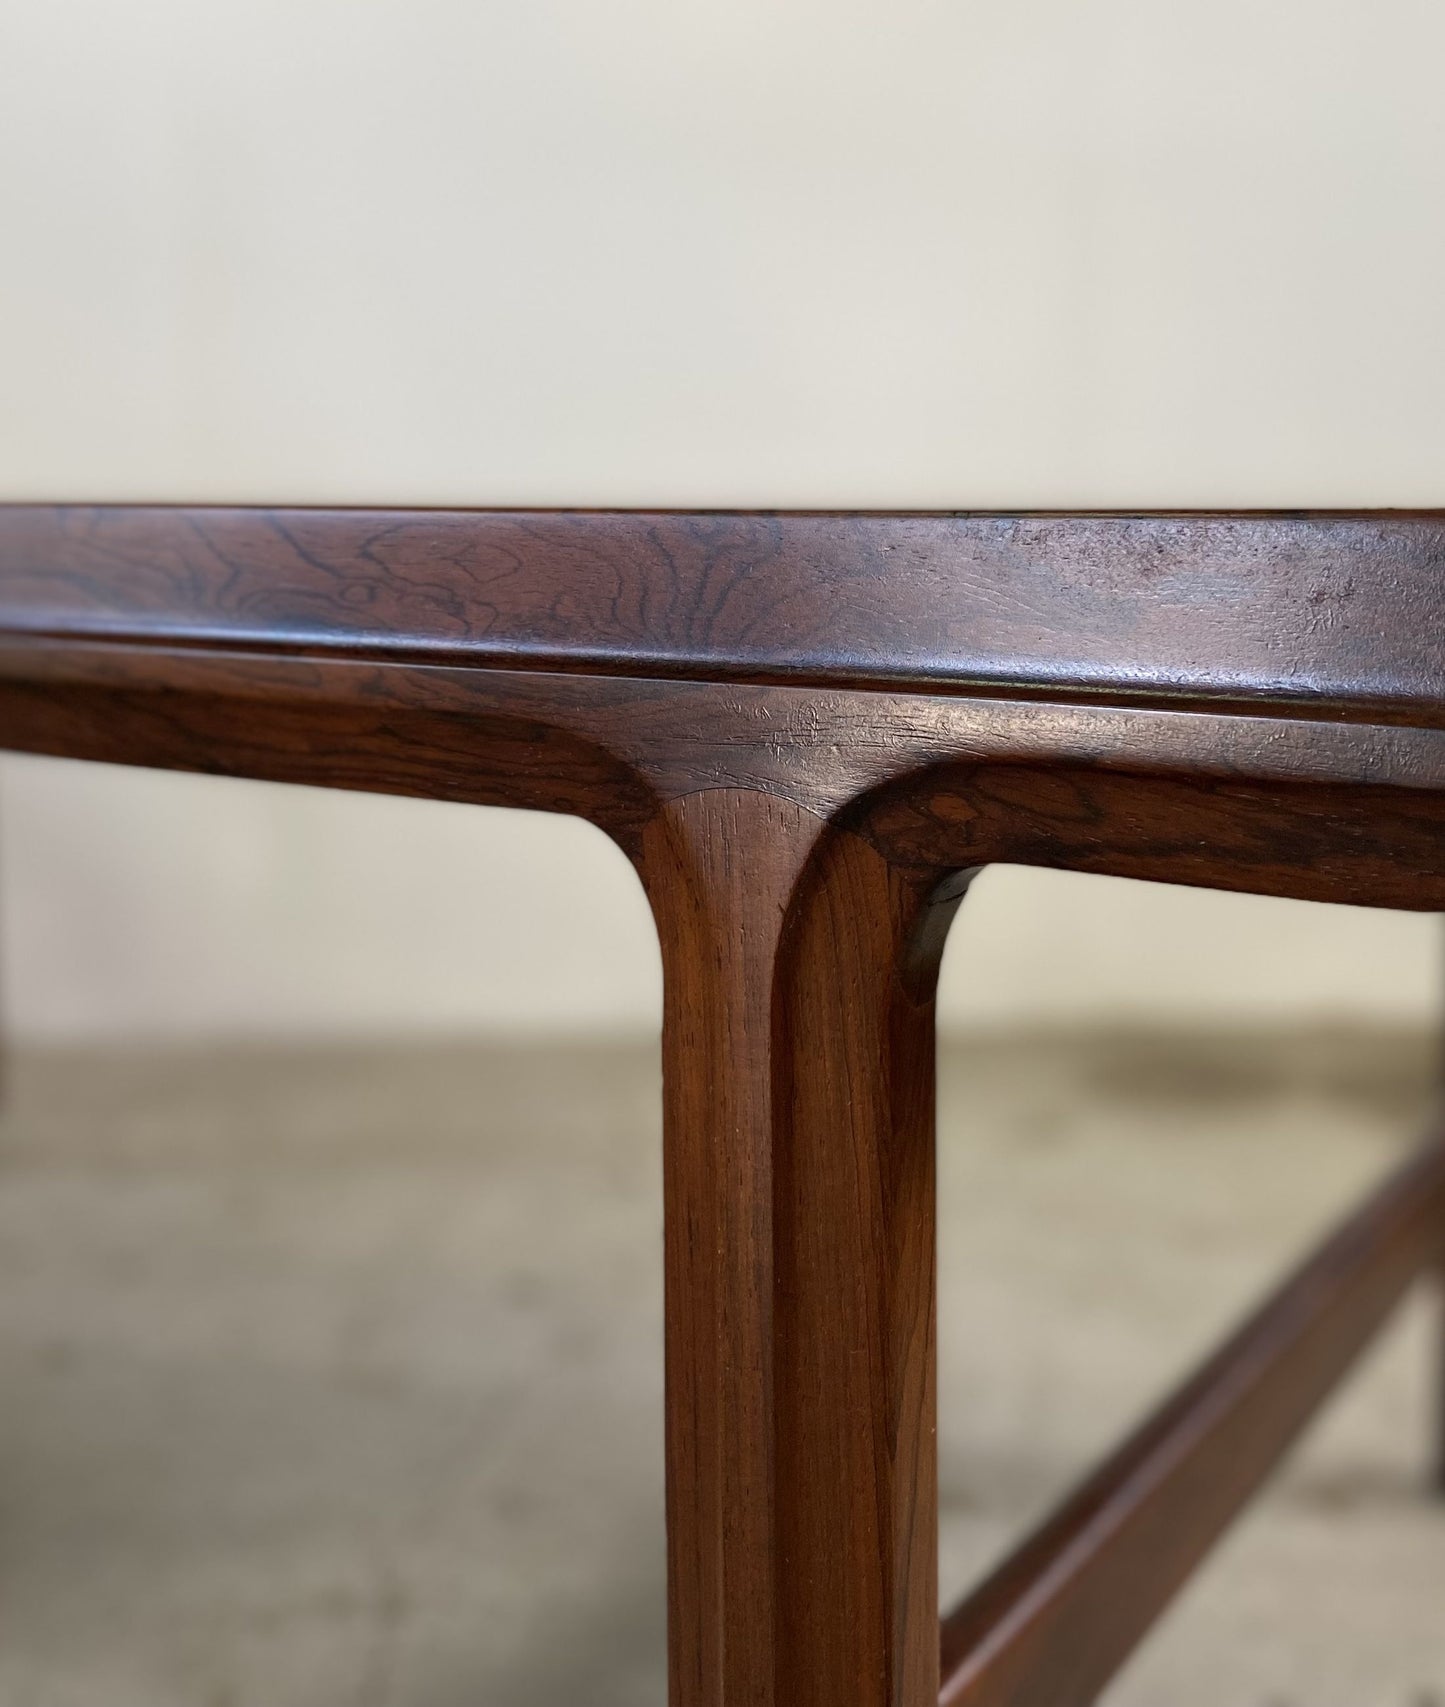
(1054, 1622)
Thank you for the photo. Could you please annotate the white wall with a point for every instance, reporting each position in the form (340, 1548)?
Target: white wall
(535, 251)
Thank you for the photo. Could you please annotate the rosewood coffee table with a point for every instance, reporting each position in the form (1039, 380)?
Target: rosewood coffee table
(808, 731)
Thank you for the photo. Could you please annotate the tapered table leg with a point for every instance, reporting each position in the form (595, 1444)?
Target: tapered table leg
(799, 1179)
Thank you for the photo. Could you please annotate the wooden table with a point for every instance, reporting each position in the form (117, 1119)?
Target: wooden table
(808, 731)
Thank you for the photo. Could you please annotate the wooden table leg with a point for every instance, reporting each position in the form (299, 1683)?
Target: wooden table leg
(799, 1118)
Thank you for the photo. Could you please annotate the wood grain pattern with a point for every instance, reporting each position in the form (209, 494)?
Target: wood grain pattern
(1285, 607)
(798, 1168)
(807, 731)
(1274, 805)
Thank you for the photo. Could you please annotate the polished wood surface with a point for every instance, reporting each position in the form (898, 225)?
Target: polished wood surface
(807, 731)
(1288, 607)
(798, 1180)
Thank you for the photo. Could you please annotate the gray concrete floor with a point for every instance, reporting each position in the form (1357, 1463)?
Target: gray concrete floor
(332, 1378)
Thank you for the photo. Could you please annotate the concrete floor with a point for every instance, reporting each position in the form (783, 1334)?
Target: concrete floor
(333, 1378)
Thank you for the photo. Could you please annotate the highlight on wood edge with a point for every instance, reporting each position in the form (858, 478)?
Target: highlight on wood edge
(1060, 1615)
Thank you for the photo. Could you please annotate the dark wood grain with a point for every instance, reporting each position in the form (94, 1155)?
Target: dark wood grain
(1054, 1622)
(798, 1168)
(1325, 812)
(807, 731)
(1290, 608)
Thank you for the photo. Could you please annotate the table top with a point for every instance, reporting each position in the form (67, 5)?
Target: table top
(1336, 614)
